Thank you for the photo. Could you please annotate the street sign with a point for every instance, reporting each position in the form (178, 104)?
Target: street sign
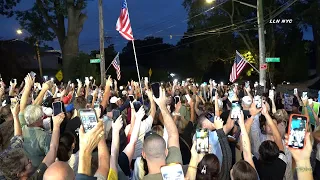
(263, 66)
(59, 75)
(92, 61)
(150, 72)
(98, 56)
(273, 59)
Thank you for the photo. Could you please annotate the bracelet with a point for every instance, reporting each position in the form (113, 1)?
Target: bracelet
(193, 167)
(303, 169)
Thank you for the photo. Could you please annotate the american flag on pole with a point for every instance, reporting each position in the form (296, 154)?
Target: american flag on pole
(123, 23)
(238, 66)
(116, 65)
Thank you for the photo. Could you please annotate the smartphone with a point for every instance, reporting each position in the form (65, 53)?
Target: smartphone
(210, 117)
(115, 114)
(297, 131)
(146, 79)
(57, 108)
(188, 97)
(202, 141)
(33, 74)
(96, 105)
(176, 99)
(258, 101)
(172, 171)
(304, 95)
(295, 91)
(247, 84)
(137, 105)
(235, 111)
(231, 95)
(131, 97)
(121, 88)
(88, 119)
(183, 83)
(155, 89)
(310, 101)
(213, 92)
(256, 84)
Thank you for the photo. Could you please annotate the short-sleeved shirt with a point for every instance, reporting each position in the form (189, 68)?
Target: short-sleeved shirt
(39, 172)
(274, 170)
(174, 156)
(36, 142)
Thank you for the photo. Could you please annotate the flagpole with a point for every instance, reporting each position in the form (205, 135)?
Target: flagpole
(139, 78)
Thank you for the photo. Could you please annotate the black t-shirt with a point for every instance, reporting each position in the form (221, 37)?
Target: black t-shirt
(272, 171)
(73, 126)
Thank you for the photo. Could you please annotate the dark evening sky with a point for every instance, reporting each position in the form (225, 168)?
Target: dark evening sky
(160, 18)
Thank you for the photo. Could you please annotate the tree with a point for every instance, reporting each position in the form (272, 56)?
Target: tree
(46, 20)
(6, 7)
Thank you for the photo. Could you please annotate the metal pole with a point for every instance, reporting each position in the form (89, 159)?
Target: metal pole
(262, 48)
(101, 32)
(39, 58)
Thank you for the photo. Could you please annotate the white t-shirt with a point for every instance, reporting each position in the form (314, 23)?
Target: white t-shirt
(145, 127)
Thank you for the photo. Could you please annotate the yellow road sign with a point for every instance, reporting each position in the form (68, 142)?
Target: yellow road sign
(59, 75)
(150, 72)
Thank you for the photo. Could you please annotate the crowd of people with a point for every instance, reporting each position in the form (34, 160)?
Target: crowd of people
(178, 131)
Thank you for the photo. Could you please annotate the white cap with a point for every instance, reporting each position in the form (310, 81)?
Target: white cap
(124, 93)
(247, 100)
(47, 111)
(114, 99)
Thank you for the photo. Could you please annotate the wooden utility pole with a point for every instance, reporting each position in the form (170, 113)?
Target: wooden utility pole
(101, 32)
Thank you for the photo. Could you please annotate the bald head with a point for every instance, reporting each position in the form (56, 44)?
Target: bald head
(59, 171)
(154, 147)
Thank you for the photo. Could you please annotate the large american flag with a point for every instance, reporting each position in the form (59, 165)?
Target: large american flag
(116, 65)
(123, 23)
(238, 66)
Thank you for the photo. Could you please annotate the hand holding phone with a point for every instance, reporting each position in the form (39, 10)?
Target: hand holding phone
(295, 91)
(258, 101)
(202, 141)
(235, 111)
(188, 97)
(88, 119)
(297, 130)
(304, 96)
(57, 108)
(155, 89)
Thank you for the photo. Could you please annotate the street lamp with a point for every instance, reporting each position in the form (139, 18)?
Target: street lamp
(20, 32)
(209, 1)
(172, 75)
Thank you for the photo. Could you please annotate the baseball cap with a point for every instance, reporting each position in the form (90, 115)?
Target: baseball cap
(114, 99)
(247, 100)
(69, 108)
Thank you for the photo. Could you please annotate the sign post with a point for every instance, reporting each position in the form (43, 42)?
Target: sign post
(273, 59)
(93, 61)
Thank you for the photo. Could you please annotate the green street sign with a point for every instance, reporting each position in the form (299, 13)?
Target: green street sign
(274, 59)
(92, 61)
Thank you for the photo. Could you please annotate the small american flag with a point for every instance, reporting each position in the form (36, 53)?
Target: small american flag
(238, 66)
(116, 65)
(123, 23)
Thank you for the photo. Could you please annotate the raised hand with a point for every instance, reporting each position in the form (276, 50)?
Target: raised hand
(48, 85)
(90, 140)
(109, 82)
(140, 114)
(29, 81)
(117, 125)
(57, 120)
(161, 101)
(218, 122)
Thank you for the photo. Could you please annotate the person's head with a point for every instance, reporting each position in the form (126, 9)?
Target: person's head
(158, 129)
(154, 149)
(246, 102)
(242, 170)
(79, 103)
(67, 143)
(268, 151)
(208, 168)
(204, 123)
(5, 114)
(14, 164)
(33, 115)
(265, 125)
(208, 107)
(59, 171)
(115, 100)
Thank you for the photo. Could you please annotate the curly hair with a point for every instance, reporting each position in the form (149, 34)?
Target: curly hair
(10, 164)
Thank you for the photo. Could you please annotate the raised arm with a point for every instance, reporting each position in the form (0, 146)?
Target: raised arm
(104, 158)
(46, 86)
(17, 126)
(274, 128)
(106, 94)
(116, 126)
(245, 142)
(173, 134)
(54, 144)
(29, 81)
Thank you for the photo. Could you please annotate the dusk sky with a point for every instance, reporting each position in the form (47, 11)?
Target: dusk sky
(160, 18)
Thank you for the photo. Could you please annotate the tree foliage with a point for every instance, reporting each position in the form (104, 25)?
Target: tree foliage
(6, 7)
